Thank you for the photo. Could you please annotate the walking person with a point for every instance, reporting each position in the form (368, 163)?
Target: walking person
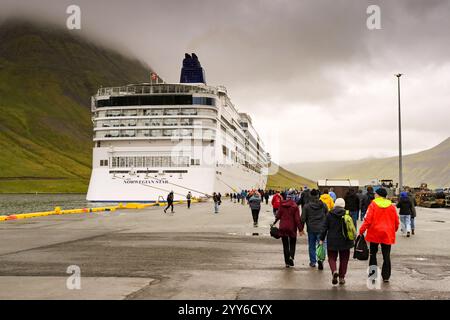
(381, 223)
(352, 205)
(266, 197)
(188, 198)
(325, 198)
(314, 215)
(276, 201)
(366, 200)
(169, 202)
(414, 213)
(216, 202)
(304, 197)
(289, 216)
(337, 244)
(255, 205)
(332, 194)
(405, 205)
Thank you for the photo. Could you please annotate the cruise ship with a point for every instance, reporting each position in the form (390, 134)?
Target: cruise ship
(157, 137)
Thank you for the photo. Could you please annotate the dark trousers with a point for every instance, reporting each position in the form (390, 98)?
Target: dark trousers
(386, 251)
(288, 248)
(169, 204)
(344, 256)
(189, 203)
(255, 214)
(267, 201)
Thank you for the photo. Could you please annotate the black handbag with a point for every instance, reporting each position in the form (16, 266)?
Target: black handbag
(361, 251)
(274, 232)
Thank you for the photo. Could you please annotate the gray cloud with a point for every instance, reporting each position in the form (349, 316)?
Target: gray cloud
(310, 70)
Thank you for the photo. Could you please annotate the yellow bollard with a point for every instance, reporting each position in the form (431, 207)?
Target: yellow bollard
(58, 210)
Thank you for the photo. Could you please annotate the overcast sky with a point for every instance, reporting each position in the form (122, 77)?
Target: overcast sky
(317, 82)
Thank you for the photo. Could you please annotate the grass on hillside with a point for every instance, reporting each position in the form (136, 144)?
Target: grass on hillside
(283, 179)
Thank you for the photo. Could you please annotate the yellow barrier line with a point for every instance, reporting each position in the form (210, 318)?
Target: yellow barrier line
(58, 210)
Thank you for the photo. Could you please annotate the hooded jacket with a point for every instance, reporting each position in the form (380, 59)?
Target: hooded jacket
(351, 202)
(381, 222)
(276, 200)
(406, 207)
(314, 215)
(289, 216)
(333, 231)
(366, 200)
(325, 198)
(255, 201)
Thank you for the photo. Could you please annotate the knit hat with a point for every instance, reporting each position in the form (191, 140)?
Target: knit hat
(381, 192)
(340, 203)
(403, 194)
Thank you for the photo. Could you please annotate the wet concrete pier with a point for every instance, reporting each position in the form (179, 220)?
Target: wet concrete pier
(196, 254)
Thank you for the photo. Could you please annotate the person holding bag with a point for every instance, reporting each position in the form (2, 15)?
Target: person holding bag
(289, 216)
(381, 224)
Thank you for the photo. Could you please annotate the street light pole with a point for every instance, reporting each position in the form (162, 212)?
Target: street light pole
(400, 164)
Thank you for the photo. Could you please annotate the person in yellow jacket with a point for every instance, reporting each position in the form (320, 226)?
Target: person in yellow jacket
(326, 198)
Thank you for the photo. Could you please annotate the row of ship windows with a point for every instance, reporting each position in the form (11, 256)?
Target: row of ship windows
(205, 134)
(158, 88)
(150, 162)
(156, 112)
(155, 100)
(156, 123)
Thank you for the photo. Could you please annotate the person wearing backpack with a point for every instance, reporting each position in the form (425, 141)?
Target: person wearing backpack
(169, 202)
(338, 242)
(381, 224)
(414, 213)
(189, 197)
(314, 215)
(255, 205)
(216, 200)
(405, 205)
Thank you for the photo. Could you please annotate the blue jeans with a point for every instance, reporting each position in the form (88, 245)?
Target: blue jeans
(313, 240)
(405, 223)
(354, 215)
(413, 223)
(363, 214)
(216, 207)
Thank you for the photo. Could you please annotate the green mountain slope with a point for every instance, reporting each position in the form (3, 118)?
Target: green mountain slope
(47, 76)
(280, 178)
(430, 166)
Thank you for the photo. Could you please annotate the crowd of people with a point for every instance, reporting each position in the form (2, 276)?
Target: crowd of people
(323, 214)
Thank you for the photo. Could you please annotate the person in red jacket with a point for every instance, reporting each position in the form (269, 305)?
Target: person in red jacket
(276, 201)
(381, 223)
(289, 216)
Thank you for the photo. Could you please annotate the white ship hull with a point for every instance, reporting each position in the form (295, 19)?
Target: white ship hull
(202, 181)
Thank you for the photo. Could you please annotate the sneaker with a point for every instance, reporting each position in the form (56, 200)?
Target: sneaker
(165, 211)
(291, 262)
(312, 265)
(320, 265)
(288, 266)
(412, 231)
(335, 278)
(255, 224)
(341, 281)
(386, 280)
(408, 234)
